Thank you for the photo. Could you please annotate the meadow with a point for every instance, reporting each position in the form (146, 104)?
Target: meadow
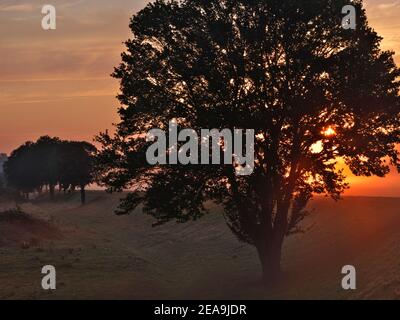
(99, 255)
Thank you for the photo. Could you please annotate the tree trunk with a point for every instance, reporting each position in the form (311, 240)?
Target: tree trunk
(51, 187)
(270, 242)
(270, 252)
(83, 195)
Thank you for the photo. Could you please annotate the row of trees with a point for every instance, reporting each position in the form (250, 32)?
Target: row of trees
(49, 162)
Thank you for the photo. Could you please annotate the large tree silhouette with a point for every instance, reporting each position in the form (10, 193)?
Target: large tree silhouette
(312, 91)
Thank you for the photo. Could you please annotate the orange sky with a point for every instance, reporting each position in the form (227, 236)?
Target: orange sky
(57, 82)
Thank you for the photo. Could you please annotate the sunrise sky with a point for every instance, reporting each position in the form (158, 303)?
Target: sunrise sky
(57, 82)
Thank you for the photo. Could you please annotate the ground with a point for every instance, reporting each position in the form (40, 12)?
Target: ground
(99, 255)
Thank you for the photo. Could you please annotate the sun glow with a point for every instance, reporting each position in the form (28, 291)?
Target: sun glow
(317, 147)
(329, 132)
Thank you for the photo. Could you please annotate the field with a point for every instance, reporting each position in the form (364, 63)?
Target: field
(99, 255)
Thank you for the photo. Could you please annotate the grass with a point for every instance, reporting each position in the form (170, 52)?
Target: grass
(100, 255)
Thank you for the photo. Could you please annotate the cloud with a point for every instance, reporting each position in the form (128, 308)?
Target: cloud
(388, 6)
(24, 7)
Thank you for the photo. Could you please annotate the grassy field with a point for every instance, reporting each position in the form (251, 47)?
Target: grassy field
(99, 255)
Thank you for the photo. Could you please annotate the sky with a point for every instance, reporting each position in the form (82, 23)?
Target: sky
(58, 82)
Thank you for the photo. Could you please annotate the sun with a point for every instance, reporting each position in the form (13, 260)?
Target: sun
(329, 132)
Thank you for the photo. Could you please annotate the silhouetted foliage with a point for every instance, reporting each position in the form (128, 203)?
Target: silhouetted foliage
(48, 162)
(313, 91)
(76, 166)
(46, 153)
(21, 169)
(3, 159)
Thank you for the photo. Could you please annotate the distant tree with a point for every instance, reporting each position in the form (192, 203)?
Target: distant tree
(312, 91)
(47, 153)
(51, 161)
(21, 169)
(76, 165)
(3, 159)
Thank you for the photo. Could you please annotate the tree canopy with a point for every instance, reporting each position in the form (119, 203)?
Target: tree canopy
(313, 92)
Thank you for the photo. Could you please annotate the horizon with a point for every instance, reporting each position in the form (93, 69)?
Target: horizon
(92, 188)
(54, 82)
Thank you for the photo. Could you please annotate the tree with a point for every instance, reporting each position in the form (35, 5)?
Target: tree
(51, 161)
(21, 169)
(312, 91)
(47, 152)
(34, 165)
(3, 159)
(76, 165)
